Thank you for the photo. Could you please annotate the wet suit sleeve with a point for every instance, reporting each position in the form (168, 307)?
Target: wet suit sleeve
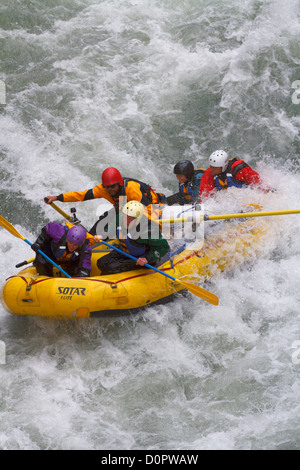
(41, 240)
(74, 196)
(86, 195)
(175, 199)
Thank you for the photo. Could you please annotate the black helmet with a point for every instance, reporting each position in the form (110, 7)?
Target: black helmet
(184, 167)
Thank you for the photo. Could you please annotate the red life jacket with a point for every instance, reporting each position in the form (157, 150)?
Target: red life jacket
(228, 177)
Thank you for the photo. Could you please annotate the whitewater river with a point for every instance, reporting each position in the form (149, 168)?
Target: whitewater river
(141, 84)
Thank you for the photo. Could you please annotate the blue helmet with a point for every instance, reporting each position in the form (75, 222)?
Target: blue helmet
(76, 235)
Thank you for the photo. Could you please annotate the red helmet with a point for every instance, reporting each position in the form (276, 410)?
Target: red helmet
(111, 176)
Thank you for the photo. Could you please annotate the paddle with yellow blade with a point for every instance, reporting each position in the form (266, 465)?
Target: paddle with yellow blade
(11, 229)
(196, 290)
(199, 291)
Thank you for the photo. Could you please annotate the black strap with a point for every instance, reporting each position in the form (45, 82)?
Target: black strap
(238, 168)
(89, 195)
(144, 188)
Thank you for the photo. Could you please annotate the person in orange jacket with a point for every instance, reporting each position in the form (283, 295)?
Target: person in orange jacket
(114, 188)
(225, 172)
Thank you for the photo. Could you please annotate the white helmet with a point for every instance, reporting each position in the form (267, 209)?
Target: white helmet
(219, 158)
(134, 209)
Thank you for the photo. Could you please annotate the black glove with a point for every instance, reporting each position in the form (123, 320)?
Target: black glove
(174, 199)
(35, 247)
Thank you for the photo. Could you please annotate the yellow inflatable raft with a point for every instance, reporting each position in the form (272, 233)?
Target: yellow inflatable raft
(26, 293)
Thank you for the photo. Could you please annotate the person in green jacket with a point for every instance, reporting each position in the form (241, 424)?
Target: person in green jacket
(139, 236)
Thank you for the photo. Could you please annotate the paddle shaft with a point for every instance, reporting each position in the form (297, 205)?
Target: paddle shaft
(47, 258)
(240, 215)
(251, 214)
(193, 288)
(135, 259)
(59, 210)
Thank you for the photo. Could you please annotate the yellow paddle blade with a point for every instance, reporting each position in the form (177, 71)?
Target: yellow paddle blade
(200, 292)
(10, 228)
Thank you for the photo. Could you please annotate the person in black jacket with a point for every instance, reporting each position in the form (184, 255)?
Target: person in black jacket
(67, 247)
(189, 180)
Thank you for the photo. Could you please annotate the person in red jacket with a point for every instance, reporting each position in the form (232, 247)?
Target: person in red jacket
(225, 172)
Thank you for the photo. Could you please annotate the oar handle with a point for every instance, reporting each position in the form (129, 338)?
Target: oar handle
(48, 259)
(27, 261)
(59, 210)
(19, 265)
